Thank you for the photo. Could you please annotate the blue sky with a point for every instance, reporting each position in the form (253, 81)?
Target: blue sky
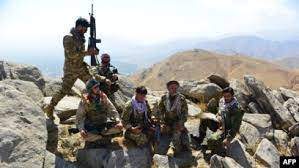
(30, 26)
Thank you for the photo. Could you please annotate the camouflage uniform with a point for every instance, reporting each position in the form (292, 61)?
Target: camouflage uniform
(231, 118)
(133, 117)
(107, 72)
(74, 66)
(92, 115)
(173, 110)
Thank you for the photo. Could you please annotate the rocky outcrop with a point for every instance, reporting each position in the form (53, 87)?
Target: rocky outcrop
(280, 116)
(200, 91)
(218, 80)
(22, 72)
(261, 121)
(23, 133)
(293, 106)
(26, 87)
(287, 94)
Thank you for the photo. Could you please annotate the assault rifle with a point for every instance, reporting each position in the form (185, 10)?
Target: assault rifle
(92, 42)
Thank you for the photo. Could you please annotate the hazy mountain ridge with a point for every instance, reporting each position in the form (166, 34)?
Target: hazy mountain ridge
(198, 64)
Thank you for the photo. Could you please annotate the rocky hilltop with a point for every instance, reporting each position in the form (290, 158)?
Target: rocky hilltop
(197, 64)
(27, 139)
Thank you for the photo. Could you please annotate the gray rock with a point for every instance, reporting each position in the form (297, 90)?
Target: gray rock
(250, 136)
(279, 138)
(228, 162)
(66, 108)
(278, 96)
(23, 132)
(280, 116)
(294, 145)
(267, 154)
(97, 158)
(293, 107)
(183, 160)
(28, 88)
(193, 109)
(216, 161)
(241, 93)
(237, 151)
(23, 72)
(261, 121)
(200, 92)
(294, 130)
(52, 161)
(286, 93)
(218, 80)
(52, 85)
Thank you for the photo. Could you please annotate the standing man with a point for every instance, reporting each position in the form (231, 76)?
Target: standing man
(136, 118)
(173, 111)
(95, 115)
(74, 65)
(229, 118)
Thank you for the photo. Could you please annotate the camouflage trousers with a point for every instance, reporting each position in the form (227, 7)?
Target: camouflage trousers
(179, 140)
(141, 139)
(68, 81)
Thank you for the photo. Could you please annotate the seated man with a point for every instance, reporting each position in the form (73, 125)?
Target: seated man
(95, 115)
(136, 118)
(226, 126)
(173, 112)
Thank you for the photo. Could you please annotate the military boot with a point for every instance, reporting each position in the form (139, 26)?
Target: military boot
(170, 152)
(48, 109)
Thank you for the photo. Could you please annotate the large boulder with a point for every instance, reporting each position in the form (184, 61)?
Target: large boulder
(261, 121)
(280, 139)
(23, 132)
(294, 145)
(228, 162)
(267, 154)
(216, 161)
(241, 93)
(237, 151)
(278, 96)
(22, 72)
(52, 86)
(28, 88)
(280, 116)
(66, 107)
(250, 136)
(163, 161)
(218, 80)
(293, 106)
(286, 93)
(98, 158)
(200, 91)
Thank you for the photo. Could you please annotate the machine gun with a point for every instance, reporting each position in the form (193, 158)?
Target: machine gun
(92, 42)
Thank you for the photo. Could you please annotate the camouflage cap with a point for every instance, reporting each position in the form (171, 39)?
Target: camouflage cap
(91, 84)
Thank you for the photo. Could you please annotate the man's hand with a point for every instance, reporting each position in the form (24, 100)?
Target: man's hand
(83, 134)
(136, 130)
(92, 51)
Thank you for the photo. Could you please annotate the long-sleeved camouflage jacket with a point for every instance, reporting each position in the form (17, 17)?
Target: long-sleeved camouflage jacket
(231, 118)
(87, 112)
(171, 115)
(134, 118)
(74, 51)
